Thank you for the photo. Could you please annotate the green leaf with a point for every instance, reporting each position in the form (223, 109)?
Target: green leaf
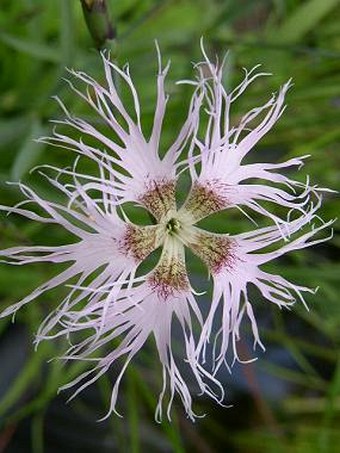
(67, 41)
(29, 152)
(304, 19)
(133, 414)
(29, 372)
(11, 130)
(34, 49)
(330, 411)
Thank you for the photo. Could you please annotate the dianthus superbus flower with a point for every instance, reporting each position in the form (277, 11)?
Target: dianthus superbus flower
(113, 302)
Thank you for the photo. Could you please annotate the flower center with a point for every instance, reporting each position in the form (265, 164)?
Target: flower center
(177, 225)
(175, 229)
(173, 226)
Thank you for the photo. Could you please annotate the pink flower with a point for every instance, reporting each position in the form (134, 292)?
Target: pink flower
(112, 298)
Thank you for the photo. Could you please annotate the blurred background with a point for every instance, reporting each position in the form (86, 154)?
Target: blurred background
(289, 400)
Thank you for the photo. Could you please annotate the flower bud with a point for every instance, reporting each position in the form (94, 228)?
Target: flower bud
(98, 20)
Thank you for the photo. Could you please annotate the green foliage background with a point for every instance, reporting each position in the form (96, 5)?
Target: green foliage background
(292, 38)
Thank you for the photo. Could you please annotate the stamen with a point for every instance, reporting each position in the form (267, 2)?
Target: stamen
(173, 226)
